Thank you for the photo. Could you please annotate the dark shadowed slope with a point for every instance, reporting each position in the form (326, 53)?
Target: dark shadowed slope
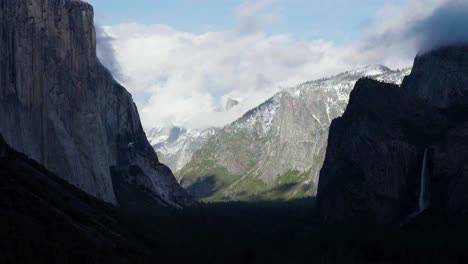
(46, 220)
(43, 219)
(373, 171)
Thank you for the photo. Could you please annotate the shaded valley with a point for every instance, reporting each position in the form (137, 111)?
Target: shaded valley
(81, 183)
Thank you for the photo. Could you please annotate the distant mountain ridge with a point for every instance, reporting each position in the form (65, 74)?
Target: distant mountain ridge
(275, 151)
(175, 146)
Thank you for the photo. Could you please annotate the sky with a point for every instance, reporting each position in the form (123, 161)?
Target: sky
(183, 59)
(338, 20)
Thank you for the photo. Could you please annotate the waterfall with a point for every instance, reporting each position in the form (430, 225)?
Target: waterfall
(422, 204)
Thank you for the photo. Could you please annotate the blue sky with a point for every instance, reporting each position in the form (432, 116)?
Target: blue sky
(338, 20)
(183, 59)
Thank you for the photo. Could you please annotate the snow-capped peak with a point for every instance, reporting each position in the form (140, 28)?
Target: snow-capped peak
(328, 96)
(369, 71)
(175, 146)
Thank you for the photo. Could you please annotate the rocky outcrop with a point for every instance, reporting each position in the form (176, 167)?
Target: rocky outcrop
(276, 150)
(62, 108)
(373, 167)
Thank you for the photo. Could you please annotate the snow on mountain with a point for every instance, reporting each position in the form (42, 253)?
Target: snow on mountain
(175, 146)
(338, 87)
(258, 119)
(276, 150)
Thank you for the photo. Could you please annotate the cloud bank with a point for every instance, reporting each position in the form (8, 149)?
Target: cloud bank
(106, 52)
(421, 25)
(181, 78)
(447, 25)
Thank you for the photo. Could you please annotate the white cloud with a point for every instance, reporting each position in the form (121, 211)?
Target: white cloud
(421, 25)
(186, 77)
(252, 15)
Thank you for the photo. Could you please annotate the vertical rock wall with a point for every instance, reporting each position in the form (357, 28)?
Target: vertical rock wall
(61, 107)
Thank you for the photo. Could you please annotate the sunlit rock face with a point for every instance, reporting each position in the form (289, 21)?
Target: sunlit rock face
(62, 108)
(276, 150)
(373, 166)
(175, 146)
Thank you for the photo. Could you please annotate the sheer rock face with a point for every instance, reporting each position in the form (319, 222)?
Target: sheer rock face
(62, 108)
(372, 169)
(276, 150)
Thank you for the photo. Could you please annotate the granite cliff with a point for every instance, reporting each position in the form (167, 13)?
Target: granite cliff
(276, 150)
(395, 148)
(62, 108)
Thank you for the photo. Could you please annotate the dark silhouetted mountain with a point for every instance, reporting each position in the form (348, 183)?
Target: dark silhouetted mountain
(62, 108)
(440, 77)
(373, 170)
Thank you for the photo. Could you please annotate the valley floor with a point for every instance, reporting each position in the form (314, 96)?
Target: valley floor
(289, 232)
(45, 220)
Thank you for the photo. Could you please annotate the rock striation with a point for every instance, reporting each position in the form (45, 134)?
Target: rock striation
(375, 155)
(276, 150)
(62, 108)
